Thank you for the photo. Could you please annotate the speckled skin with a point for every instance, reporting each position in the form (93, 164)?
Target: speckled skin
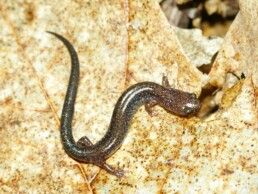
(144, 93)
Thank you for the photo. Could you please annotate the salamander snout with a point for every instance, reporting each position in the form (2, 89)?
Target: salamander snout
(191, 107)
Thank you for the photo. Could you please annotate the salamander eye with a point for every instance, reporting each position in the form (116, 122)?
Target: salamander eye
(192, 95)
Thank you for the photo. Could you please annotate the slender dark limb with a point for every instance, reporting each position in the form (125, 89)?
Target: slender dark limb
(148, 107)
(84, 142)
(118, 172)
(165, 82)
(150, 104)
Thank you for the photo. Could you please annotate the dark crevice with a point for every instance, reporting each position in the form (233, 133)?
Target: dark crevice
(207, 99)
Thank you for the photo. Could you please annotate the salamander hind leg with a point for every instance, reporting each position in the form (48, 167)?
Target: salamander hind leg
(84, 142)
(117, 172)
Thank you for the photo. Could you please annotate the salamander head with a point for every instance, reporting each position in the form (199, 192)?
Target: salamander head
(191, 105)
(180, 102)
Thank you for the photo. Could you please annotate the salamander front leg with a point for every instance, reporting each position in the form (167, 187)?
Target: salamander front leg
(148, 107)
(165, 82)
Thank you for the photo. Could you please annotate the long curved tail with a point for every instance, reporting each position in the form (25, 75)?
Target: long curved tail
(68, 107)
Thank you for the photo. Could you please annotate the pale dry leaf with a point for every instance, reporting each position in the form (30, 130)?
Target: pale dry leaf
(202, 49)
(239, 51)
(118, 43)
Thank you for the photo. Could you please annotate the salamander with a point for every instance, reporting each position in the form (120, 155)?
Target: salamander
(144, 93)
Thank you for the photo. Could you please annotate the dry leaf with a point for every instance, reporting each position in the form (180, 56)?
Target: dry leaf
(121, 43)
